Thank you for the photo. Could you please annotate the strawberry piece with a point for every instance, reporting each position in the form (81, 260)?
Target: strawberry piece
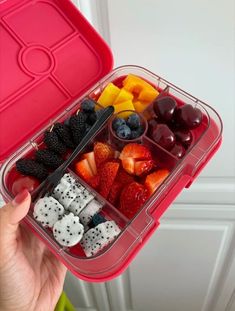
(115, 192)
(135, 151)
(129, 165)
(143, 167)
(123, 177)
(108, 172)
(133, 197)
(83, 170)
(154, 180)
(121, 180)
(90, 156)
(94, 181)
(103, 152)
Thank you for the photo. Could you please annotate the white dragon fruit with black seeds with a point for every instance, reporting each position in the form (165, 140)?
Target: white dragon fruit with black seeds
(67, 198)
(80, 202)
(62, 187)
(89, 211)
(97, 238)
(48, 211)
(64, 194)
(69, 178)
(68, 231)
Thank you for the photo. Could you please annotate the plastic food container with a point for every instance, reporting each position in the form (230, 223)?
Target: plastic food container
(52, 58)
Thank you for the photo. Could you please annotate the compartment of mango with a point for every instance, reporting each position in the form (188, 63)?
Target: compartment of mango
(135, 94)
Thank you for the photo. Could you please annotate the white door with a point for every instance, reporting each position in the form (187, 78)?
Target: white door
(189, 264)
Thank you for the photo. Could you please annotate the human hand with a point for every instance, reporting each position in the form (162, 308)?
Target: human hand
(31, 278)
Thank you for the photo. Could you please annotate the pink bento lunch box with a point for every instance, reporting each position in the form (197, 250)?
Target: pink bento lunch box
(51, 58)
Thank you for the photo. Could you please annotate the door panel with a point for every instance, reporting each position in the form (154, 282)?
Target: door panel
(189, 263)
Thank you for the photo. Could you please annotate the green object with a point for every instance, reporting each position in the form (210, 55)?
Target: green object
(64, 304)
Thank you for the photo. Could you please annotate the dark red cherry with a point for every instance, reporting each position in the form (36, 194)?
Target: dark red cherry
(152, 123)
(163, 136)
(188, 116)
(178, 151)
(164, 108)
(184, 137)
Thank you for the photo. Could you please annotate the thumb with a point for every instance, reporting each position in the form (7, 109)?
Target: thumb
(10, 216)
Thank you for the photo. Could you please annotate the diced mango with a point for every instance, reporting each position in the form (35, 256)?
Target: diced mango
(132, 86)
(133, 83)
(148, 95)
(123, 96)
(127, 105)
(109, 94)
(140, 106)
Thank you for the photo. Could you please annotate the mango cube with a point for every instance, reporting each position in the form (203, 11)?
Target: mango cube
(140, 106)
(133, 83)
(109, 94)
(123, 96)
(127, 105)
(148, 95)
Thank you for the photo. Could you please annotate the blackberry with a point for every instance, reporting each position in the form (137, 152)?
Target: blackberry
(31, 167)
(66, 121)
(88, 127)
(92, 117)
(88, 105)
(53, 142)
(77, 125)
(63, 132)
(48, 158)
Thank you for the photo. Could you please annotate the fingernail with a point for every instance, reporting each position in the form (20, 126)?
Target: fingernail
(20, 197)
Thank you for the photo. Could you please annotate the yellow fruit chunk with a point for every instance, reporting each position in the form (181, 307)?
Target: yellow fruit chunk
(123, 95)
(135, 84)
(109, 94)
(140, 106)
(127, 105)
(132, 86)
(148, 95)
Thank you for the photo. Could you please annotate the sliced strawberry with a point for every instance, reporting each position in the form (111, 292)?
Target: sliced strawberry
(129, 165)
(123, 177)
(133, 197)
(94, 181)
(135, 151)
(116, 154)
(115, 192)
(108, 172)
(90, 156)
(83, 170)
(154, 180)
(143, 167)
(121, 180)
(103, 152)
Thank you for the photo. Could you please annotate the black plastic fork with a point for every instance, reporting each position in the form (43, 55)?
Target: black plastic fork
(49, 184)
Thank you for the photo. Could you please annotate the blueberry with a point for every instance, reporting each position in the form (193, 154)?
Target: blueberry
(96, 220)
(133, 121)
(88, 105)
(117, 123)
(136, 133)
(124, 132)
